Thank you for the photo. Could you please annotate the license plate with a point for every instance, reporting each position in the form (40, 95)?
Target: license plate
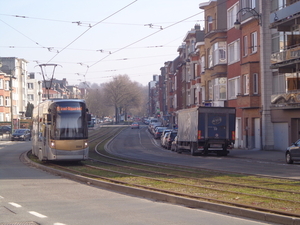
(216, 145)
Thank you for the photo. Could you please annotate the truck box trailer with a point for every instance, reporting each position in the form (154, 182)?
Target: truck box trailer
(204, 130)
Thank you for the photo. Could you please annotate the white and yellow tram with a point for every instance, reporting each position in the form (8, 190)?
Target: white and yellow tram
(60, 130)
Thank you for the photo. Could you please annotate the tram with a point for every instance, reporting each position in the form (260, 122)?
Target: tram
(60, 130)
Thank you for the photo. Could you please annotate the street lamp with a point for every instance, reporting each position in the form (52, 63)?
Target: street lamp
(237, 23)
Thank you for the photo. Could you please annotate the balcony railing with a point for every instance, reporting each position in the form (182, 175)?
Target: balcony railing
(286, 55)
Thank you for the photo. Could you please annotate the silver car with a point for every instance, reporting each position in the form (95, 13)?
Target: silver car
(293, 153)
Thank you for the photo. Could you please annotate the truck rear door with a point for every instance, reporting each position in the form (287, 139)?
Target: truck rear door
(216, 125)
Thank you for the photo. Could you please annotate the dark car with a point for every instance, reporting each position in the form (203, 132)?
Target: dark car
(158, 132)
(135, 125)
(293, 153)
(21, 135)
(5, 130)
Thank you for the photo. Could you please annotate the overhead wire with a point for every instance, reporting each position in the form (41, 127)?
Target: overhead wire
(92, 26)
(23, 34)
(144, 38)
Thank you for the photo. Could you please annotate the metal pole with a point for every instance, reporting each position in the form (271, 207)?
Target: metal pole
(11, 105)
(44, 76)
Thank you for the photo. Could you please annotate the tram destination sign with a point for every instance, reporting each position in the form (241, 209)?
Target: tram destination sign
(68, 108)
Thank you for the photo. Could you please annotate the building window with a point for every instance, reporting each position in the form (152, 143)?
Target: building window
(210, 90)
(210, 58)
(234, 88)
(7, 102)
(246, 84)
(279, 83)
(1, 83)
(30, 86)
(195, 70)
(255, 83)
(254, 42)
(245, 46)
(231, 15)
(220, 88)
(234, 52)
(275, 42)
(202, 64)
(292, 81)
(30, 97)
(1, 100)
(219, 53)
(209, 23)
(249, 4)
(6, 85)
(2, 117)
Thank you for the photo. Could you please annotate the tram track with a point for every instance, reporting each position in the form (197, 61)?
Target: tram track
(186, 182)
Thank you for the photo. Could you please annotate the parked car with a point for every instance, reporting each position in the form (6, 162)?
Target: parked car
(169, 138)
(155, 127)
(5, 130)
(21, 135)
(158, 131)
(135, 125)
(151, 125)
(163, 136)
(293, 153)
(174, 146)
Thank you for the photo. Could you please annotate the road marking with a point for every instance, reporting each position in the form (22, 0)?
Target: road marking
(15, 204)
(140, 138)
(37, 214)
(1, 197)
(59, 224)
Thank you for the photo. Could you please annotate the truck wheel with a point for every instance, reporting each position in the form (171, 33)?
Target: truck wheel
(192, 149)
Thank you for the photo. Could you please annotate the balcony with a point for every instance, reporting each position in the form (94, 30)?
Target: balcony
(287, 57)
(286, 15)
(290, 100)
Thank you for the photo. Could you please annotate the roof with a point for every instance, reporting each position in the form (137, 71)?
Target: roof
(204, 4)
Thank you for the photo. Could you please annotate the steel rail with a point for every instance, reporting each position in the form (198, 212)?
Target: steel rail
(176, 193)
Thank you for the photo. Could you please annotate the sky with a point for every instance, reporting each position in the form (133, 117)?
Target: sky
(96, 40)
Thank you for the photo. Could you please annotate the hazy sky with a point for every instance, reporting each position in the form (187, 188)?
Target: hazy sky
(95, 40)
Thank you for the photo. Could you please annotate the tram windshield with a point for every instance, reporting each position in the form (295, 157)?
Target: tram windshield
(69, 121)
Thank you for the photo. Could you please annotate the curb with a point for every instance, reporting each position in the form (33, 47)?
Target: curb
(157, 196)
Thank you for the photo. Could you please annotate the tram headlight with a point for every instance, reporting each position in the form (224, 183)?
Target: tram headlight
(52, 144)
(86, 144)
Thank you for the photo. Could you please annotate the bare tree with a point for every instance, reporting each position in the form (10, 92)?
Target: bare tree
(122, 94)
(95, 101)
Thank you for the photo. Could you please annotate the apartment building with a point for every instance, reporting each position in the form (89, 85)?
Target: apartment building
(214, 78)
(34, 90)
(285, 63)
(244, 76)
(230, 67)
(14, 80)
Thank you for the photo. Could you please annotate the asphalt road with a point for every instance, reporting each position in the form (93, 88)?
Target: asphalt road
(31, 195)
(139, 144)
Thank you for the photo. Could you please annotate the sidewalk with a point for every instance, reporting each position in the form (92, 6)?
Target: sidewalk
(265, 155)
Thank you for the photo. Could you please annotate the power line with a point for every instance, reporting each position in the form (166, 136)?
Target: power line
(92, 27)
(145, 38)
(23, 34)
